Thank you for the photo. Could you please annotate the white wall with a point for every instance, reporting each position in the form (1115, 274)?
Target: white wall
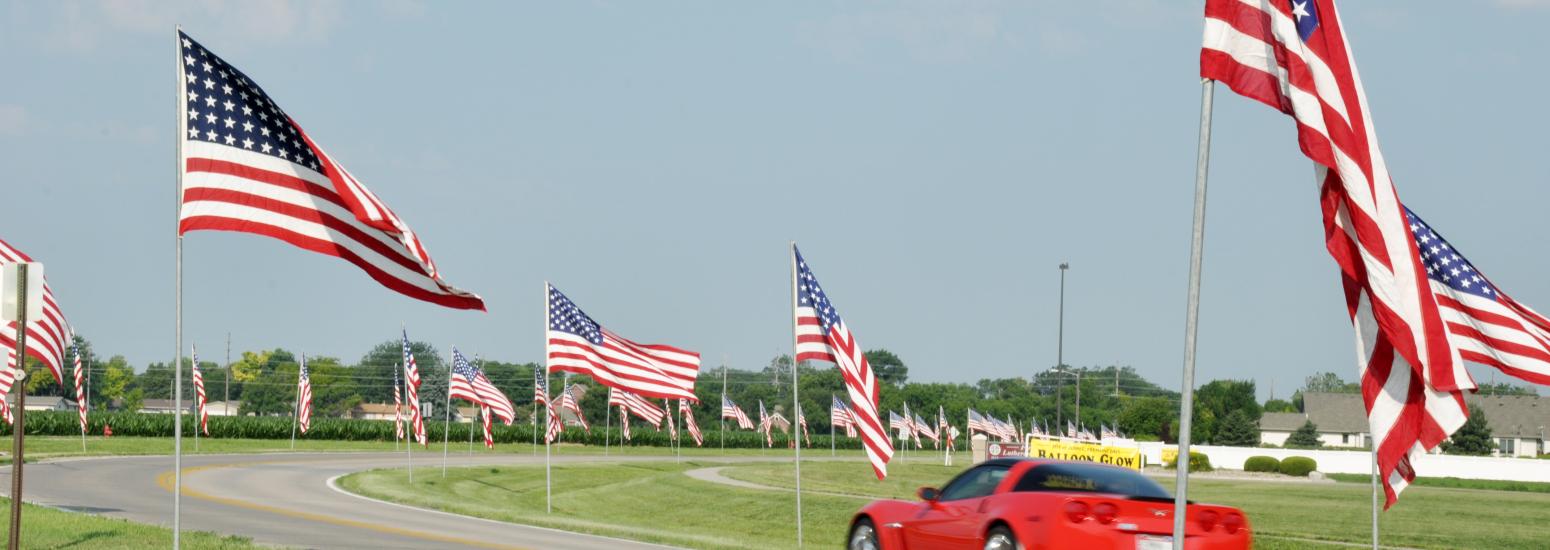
(1273, 438)
(1360, 462)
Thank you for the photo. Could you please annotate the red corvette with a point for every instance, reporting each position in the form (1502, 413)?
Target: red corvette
(1017, 504)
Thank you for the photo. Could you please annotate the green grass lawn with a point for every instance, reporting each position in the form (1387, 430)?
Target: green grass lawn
(45, 528)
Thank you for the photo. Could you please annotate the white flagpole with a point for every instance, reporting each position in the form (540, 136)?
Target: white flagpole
(1192, 316)
(446, 425)
(795, 403)
(548, 472)
(723, 402)
(831, 425)
(296, 406)
(177, 211)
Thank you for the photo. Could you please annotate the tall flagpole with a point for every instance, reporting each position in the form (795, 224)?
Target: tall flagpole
(1374, 493)
(795, 403)
(723, 402)
(831, 425)
(446, 425)
(296, 407)
(1192, 316)
(398, 408)
(177, 385)
(548, 475)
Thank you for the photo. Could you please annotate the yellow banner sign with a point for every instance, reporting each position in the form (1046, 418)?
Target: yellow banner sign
(1127, 457)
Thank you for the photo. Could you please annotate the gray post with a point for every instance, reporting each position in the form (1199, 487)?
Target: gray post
(796, 405)
(446, 425)
(20, 428)
(1374, 494)
(1192, 316)
(177, 338)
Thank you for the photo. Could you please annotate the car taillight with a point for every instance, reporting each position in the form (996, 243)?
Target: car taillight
(1076, 511)
(1232, 523)
(1207, 520)
(1105, 512)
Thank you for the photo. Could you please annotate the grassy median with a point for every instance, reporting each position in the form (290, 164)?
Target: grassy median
(48, 528)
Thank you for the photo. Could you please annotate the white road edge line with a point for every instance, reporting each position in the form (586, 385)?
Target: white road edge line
(333, 483)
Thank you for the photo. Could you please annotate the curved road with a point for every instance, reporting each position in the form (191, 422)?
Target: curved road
(289, 500)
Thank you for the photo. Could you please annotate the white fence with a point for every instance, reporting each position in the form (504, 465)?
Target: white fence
(1360, 462)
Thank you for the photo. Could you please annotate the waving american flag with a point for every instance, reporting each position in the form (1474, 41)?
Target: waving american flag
(468, 382)
(1293, 56)
(692, 426)
(303, 396)
(412, 388)
(199, 393)
(249, 167)
(823, 336)
(839, 416)
(730, 410)
(570, 402)
(80, 389)
(638, 406)
(46, 337)
(398, 408)
(578, 344)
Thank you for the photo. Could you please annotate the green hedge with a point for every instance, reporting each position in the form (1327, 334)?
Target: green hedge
(1198, 462)
(1262, 464)
(348, 429)
(1298, 466)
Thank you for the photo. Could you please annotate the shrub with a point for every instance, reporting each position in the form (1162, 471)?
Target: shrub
(1198, 462)
(1262, 464)
(1298, 466)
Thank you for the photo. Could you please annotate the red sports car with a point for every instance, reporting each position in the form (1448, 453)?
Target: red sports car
(1019, 503)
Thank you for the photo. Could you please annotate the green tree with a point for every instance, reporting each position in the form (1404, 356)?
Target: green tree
(1503, 388)
(1279, 406)
(115, 382)
(889, 367)
(1237, 430)
(1474, 438)
(1220, 398)
(1329, 382)
(1148, 418)
(1306, 437)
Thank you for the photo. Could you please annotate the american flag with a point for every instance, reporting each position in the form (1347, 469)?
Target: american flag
(199, 393)
(412, 387)
(839, 416)
(1487, 326)
(732, 411)
(554, 426)
(624, 423)
(469, 382)
(764, 425)
(1071, 430)
(398, 408)
(7, 379)
(1293, 56)
(46, 337)
(303, 396)
(823, 336)
(923, 428)
(943, 427)
(249, 167)
(80, 389)
(489, 427)
(672, 428)
(578, 344)
(638, 406)
(690, 424)
(570, 402)
(540, 389)
(898, 423)
(910, 427)
(977, 423)
(802, 422)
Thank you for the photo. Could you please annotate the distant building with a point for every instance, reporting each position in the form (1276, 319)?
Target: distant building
(49, 403)
(161, 406)
(223, 408)
(375, 411)
(1518, 422)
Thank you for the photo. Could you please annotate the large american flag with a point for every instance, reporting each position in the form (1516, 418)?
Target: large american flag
(693, 427)
(570, 402)
(1487, 326)
(46, 337)
(1293, 56)
(823, 336)
(412, 388)
(398, 408)
(199, 393)
(303, 396)
(638, 406)
(489, 431)
(578, 344)
(468, 382)
(80, 386)
(730, 410)
(249, 167)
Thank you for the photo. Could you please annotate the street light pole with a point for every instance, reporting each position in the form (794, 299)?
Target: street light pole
(1060, 346)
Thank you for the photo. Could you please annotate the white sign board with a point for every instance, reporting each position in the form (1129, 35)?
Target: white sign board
(8, 276)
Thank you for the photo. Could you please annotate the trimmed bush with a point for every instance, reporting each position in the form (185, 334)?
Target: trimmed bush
(1298, 466)
(1262, 464)
(1198, 462)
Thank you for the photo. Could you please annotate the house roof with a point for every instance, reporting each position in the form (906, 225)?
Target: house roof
(1526, 416)
(375, 408)
(1282, 422)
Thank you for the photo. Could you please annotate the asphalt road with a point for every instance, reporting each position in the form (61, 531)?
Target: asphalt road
(288, 500)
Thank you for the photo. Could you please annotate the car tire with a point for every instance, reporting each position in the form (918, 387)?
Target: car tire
(1001, 538)
(863, 536)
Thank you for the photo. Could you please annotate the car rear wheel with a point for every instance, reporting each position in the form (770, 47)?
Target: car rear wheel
(1000, 538)
(863, 536)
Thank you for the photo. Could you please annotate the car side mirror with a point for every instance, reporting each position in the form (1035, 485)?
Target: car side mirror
(928, 493)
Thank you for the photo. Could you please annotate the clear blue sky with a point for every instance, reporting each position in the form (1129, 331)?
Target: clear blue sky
(935, 160)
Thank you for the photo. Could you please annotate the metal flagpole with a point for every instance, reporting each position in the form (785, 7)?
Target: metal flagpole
(831, 425)
(409, 435)
(446, 425)
(19, 430)
(177, 397)
(1192, 316)
(796, 405)
(548, 472)
(226, 399)
(535, 389)
(398, 408)
(1374, 493)
(723, 402)
(479, 417)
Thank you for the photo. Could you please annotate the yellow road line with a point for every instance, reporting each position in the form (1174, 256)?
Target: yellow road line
(165, 481)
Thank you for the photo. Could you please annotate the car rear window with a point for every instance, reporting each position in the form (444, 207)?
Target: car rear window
(1089, 478)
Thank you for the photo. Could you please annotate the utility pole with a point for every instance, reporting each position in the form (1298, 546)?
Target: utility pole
(226, 401)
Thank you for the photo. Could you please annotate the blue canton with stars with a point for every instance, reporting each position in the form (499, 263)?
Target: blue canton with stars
(1444, 264)
(460, 365)
(303, 372)
(564, 316)
(810, 294)
(1306, 12)
(227, 108)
